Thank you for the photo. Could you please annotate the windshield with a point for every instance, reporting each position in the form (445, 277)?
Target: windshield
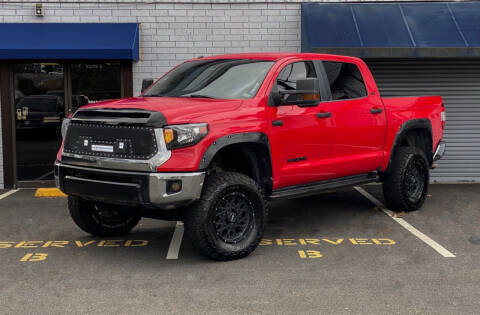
(219, 78)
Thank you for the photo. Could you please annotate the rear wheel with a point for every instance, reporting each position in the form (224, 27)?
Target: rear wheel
(100, 219)
(229, 220)
(405, 186)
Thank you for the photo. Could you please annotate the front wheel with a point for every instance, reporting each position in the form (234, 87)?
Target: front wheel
(100, 219)
(405, 186)
(228, 221)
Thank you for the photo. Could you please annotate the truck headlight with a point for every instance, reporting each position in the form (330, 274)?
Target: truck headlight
(65, 123)
(179, 136)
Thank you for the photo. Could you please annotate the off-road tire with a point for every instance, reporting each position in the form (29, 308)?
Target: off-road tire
(87, 217)
(203, 218)
(405, 186)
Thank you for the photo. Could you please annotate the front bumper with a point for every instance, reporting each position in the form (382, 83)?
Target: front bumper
(128, 188)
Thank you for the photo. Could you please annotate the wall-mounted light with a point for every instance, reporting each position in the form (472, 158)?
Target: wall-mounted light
(38, 9)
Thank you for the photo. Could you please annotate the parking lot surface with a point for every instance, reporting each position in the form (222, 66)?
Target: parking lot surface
(332, 253)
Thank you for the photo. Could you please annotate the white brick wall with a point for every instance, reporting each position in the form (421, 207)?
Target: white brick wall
(173, 32)
(181, 31)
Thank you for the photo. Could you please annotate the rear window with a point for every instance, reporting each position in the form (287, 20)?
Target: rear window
(345, 80)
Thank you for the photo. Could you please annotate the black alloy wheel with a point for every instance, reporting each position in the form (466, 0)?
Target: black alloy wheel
(110, 216)
(414, 179)
(101, 219)
(233, 217)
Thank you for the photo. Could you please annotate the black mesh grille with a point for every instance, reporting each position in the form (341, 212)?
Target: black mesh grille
(115, 141)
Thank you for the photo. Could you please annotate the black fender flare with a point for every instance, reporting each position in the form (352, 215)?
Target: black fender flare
(236, 138)
(418, 123)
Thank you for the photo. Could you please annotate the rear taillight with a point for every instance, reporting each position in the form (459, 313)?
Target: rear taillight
(443, 116)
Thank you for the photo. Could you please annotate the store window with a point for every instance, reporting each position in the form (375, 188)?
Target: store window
(94, 82)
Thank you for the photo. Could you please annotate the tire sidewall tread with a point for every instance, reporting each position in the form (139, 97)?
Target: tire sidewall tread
(80, 211)
(196, 218)
(393, 191)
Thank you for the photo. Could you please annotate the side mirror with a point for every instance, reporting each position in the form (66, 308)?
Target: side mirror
(306, 94)
(274, 99)
(146, 83)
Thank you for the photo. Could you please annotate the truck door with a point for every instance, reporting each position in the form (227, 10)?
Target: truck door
(359, 118)
(300, 137)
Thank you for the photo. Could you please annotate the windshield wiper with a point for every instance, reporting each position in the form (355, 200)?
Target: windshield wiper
(154, 95)
(198, 96)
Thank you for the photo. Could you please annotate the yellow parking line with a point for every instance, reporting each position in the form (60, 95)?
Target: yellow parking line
(49, 192)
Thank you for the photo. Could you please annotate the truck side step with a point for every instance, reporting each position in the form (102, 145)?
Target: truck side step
(317, 187)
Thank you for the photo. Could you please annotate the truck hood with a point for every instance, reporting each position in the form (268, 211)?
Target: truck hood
(177, 110)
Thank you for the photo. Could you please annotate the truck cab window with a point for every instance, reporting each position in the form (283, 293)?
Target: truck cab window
(287, 78)
(345, 80)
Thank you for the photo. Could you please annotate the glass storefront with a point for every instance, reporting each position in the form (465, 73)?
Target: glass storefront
(40, 107)
(94, 82)
(39, 111)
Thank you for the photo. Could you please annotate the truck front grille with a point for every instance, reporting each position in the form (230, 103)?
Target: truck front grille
(112, 141)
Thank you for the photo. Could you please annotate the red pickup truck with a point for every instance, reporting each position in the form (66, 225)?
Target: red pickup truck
(216, 138)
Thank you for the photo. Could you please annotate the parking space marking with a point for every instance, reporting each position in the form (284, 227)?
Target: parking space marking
(8, 193)
(176, 241)
(439, 248)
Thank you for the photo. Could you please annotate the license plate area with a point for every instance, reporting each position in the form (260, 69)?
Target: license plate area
(102, 148)
(119, 147)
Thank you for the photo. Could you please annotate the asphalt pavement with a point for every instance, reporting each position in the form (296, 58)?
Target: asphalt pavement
(335, 253)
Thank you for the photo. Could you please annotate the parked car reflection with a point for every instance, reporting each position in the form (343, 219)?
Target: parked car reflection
(40, 112)
(77, 100)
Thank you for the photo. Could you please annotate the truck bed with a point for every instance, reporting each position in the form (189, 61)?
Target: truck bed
(400, 109)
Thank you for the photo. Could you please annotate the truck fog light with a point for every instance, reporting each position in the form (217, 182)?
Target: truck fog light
(174, 186)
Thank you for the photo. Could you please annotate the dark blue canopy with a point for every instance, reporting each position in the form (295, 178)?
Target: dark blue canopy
(69, 41)
(382, 29)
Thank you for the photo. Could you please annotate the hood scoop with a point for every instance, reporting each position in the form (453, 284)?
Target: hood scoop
(122, 116)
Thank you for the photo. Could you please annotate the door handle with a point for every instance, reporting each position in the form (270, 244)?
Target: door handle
(277, 123)
(324, 115)
(376, 111)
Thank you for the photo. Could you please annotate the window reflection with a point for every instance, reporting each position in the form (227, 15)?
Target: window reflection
(94, 82)
(39, 110)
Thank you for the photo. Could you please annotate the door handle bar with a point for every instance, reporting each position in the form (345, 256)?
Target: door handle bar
(277, 123)
(324, 115)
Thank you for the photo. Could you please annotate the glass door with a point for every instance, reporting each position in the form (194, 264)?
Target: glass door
(39, 109)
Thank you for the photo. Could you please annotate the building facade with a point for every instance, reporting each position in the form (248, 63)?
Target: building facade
(39, 88)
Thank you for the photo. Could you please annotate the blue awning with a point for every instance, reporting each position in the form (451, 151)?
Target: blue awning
(69, 41)
(440, 29)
